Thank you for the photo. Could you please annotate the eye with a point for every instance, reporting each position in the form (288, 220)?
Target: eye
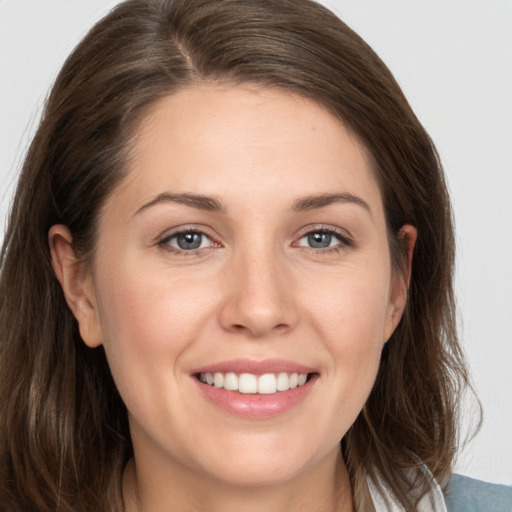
(319, 239)
(188, 241)
(322, 239)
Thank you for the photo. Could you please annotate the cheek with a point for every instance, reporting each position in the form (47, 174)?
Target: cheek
(353, 310)
(149, 309)
(352, 321)
(148, 320)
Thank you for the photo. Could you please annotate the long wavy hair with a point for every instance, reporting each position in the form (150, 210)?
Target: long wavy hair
(64, 437)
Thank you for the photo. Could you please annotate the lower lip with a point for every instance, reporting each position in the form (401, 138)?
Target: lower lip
(256, 406)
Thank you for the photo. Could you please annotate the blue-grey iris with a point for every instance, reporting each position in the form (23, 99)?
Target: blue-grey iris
(319, 240)
(189, 241)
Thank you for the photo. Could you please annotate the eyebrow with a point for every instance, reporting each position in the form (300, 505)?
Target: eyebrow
(211, 204)
(321, 200)
(199, 201)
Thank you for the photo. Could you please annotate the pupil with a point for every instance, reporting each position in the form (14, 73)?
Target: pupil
(189, 241)
(319, 240)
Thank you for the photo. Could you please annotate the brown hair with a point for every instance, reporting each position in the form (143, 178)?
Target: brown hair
(64, 438)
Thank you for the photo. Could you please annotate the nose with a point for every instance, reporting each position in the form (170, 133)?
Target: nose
(259, 297)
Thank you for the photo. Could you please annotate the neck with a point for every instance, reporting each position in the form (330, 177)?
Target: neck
(325, 488)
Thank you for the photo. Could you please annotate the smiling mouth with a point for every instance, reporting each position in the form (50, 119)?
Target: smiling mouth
(249, 383)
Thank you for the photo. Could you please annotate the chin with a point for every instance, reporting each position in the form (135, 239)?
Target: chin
(256, 461)
(257, 474)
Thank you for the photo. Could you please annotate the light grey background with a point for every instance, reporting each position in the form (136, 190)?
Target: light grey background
(453, 59)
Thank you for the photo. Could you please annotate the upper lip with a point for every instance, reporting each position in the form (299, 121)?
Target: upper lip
(255, 367)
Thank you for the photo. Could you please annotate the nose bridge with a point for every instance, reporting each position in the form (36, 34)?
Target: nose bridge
(259, 300)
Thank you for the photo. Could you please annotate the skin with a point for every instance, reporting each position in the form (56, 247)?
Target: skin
(255, 289)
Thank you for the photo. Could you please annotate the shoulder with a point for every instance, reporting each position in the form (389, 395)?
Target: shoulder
(463, 494)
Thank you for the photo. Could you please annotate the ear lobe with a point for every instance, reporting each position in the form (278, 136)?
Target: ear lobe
(77, 284)
(400, 280)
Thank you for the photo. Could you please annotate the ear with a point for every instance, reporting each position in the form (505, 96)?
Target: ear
(400, 280)
(77, 284)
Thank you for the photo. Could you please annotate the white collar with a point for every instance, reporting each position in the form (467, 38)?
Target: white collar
(385, 501)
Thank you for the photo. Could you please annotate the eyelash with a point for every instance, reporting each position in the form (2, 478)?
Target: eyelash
(344, 241)
(164, 243)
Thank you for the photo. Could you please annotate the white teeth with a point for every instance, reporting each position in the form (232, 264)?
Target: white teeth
(267, 384)
(248, 383)
(231, 382)
(218, 380)
(283, 382)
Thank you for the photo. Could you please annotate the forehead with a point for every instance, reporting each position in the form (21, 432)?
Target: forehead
(233, 140)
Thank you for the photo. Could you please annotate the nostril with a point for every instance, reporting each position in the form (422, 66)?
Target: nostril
(258, 330)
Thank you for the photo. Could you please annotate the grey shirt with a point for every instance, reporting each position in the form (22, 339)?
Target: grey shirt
(463, 494)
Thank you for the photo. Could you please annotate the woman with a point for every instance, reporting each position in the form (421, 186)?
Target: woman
(230, 249)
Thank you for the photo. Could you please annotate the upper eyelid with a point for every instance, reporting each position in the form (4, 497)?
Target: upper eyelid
(343, 233)
(187, 228)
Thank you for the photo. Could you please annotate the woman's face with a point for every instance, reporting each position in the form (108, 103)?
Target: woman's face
(247, 245)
